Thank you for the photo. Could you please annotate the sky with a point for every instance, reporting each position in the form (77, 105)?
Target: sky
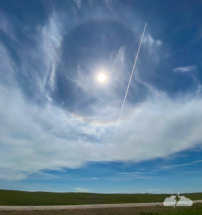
(59, 127)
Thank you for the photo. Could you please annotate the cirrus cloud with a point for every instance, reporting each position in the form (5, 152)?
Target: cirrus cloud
(35, 136)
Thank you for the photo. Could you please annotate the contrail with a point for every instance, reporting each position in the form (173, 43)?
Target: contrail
(129, 85)
(130, 78)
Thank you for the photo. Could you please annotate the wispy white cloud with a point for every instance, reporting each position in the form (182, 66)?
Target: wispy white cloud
(81, 190)
(185, 69)
(168, 167)
(34, 137)
(44, 132)
(184, 164)
(51, 43)
(109, 4)
(153, 190)
(153, 46)
(6, 26)
(192, 172)
(9, 175)
(119, 56)
(78, 3)
(148, 39)
(162, 168)
(136, 175)
(49, 176)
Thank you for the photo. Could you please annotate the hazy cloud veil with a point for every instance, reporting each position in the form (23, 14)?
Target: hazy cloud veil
(39, 130)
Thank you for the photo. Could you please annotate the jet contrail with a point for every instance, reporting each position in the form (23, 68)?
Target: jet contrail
(130, 78)
(129, 85)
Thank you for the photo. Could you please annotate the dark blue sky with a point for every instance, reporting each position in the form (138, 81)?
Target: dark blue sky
(59, 128)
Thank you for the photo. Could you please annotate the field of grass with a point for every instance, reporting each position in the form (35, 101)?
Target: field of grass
(17, 198)
(196, 209)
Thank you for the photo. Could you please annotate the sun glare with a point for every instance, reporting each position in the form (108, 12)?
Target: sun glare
(102, 77)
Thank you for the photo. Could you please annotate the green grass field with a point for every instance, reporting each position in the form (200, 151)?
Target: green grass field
(17, 198)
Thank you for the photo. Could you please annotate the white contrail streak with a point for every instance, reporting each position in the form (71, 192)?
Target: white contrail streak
(129, 83)
(130, 78)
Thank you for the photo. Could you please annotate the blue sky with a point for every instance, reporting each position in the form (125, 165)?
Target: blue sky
(59, 129)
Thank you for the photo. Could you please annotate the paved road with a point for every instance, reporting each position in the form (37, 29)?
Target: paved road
(60, 207)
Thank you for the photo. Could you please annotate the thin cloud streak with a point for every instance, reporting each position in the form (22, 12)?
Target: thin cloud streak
(185, 69)
(81, 190)
(185, 164)
(78, 3)
(163, 168)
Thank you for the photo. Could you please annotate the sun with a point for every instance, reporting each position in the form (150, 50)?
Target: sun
(102, 77)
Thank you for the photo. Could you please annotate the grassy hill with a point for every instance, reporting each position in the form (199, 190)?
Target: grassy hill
(17, 198)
